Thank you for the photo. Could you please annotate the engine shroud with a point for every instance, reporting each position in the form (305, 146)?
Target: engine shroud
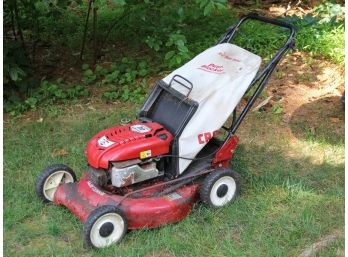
(138, 140)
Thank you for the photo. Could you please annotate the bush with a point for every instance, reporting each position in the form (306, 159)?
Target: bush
(154, 35)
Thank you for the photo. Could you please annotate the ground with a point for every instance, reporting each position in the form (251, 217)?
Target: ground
(291, 160)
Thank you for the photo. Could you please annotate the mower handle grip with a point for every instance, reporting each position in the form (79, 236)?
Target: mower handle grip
(290, 42)
(275, 22)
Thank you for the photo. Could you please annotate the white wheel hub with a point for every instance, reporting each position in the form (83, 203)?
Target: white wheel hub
(54, 180)
(223, 191)
(107, 229)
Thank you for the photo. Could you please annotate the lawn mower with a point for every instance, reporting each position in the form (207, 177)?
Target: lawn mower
(151, 171)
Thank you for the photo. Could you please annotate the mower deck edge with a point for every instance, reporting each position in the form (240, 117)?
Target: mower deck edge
(82, 197)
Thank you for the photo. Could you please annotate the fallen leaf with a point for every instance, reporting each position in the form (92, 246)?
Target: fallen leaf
(334, 119)
(59, 152)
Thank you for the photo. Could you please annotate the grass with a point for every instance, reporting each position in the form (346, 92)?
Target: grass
(290, 197)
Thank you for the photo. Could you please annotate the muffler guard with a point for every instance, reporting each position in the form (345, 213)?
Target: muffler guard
(82, 197)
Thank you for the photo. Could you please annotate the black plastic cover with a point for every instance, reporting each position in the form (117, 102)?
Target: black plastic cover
(173, 110)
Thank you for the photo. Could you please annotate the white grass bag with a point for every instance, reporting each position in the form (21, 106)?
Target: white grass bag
(220, 76)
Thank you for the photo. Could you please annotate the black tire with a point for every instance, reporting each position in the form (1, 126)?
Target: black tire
(220, 188)
(46, 174)
(105, 217)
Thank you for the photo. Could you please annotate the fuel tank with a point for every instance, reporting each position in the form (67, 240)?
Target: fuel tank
(138, 140)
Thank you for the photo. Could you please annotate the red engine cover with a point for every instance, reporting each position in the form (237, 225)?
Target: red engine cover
(121, 143)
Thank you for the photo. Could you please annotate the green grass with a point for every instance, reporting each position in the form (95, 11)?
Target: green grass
(289, 199)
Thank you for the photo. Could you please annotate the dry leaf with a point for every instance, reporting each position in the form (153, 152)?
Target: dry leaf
(334, 119)
(59, 152)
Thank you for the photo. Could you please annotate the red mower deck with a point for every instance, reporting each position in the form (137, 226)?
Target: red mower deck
(82, 197)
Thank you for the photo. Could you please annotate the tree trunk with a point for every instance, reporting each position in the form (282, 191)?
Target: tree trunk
(13, 24)
(95, 40)
(85, 29)
(20, 32)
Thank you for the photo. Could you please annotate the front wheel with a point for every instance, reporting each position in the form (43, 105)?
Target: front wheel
(52, 177)
(219, 188)
(105, 225)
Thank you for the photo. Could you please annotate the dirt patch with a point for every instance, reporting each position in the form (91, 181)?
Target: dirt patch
(276, 9)
(308, 92)
(300, 79)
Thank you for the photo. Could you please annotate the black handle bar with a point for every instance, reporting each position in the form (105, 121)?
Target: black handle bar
(275, 22)
(253, 16)
(279, 23)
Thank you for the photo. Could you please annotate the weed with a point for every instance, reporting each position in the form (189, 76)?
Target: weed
(134, 92)
(153, 43)
(125, 81)
(88, 76)
(277, 108)
(47, 94)
(279, 74)
(310, 135)
(321, 32)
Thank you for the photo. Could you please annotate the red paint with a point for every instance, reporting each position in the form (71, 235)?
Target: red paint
(82, 197)
(128, 144)
(228, 57)
(200, 139)
(204, 138)
(224, 155)
(213, 68)
(207, 137)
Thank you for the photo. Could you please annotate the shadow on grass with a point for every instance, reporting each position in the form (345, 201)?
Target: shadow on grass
(262, 167)
(321, 121)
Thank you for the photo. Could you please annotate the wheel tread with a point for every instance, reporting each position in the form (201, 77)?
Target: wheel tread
(94, 216)
(208, 182)
(40, 181)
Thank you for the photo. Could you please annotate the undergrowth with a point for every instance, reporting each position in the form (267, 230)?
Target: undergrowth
(167, 36)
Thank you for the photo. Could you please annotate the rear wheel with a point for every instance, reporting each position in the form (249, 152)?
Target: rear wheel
(219, 188)
(105, 225)
(50, 178)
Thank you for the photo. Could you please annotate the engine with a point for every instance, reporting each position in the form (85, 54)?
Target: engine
(128, 143)
(127, 173)
(125, 155)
